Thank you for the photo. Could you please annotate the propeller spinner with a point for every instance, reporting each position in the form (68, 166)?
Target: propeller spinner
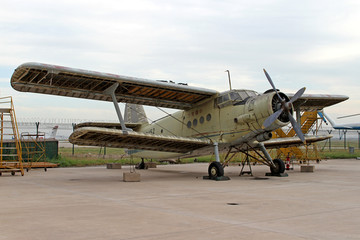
(285, 108)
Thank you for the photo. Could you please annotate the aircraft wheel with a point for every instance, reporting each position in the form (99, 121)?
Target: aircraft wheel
(279, 167)
(215, 170)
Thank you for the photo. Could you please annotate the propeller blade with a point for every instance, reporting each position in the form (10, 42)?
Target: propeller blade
(297, 94)
(272, 84)
(272, 118)
(297, 128)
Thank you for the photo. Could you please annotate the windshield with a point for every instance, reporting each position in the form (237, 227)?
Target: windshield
(234, 96)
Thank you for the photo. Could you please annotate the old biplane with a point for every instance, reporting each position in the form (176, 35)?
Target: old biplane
(208, 121)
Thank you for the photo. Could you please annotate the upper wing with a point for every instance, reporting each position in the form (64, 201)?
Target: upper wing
(95, 136)
(314, 102)
(70, 82)
(293, 141)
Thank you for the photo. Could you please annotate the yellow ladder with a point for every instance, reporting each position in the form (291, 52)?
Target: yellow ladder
(308, 119)
(10, 145)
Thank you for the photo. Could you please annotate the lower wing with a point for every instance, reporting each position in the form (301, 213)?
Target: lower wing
(293, 141)
(99, 136)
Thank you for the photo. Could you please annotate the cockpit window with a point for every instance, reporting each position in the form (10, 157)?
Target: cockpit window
(233, 97)
(243, 95)
(251, 93)
(223, 98)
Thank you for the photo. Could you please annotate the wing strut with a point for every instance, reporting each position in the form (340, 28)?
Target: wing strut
(111, 91)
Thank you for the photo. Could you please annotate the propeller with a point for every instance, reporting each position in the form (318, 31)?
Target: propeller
(285, 108)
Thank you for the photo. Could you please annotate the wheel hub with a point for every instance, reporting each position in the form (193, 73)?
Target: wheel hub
(213, 171)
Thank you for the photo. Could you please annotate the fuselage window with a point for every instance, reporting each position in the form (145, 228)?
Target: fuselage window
(195, 122)
(188, 124)
(162, 130)
(201, 119)
(208, 117)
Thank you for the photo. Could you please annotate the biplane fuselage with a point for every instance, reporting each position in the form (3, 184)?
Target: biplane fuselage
(232, 117)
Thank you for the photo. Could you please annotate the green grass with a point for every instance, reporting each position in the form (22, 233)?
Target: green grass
(83, 162)
(91, 151)
(338, 154)
(91, 156)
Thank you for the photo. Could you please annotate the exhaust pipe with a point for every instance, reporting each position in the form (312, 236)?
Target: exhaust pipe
(264, 136)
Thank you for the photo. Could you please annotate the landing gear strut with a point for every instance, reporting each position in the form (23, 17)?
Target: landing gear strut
(277, 166)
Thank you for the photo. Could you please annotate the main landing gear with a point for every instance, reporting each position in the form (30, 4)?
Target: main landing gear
(216, 172)
(216, 169)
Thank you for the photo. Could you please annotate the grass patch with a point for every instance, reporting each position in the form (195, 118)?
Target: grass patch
(96, 151)
(84, 162)
(338, 154)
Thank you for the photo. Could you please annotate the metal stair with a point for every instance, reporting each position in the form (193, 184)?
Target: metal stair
(10, 145)
(308, 119)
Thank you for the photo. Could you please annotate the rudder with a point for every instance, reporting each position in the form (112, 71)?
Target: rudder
(135, 113)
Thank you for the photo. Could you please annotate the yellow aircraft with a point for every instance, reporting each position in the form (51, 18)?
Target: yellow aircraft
(208, 122)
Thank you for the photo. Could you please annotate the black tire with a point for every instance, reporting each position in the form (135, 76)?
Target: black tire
(215, 170)
(280, 167)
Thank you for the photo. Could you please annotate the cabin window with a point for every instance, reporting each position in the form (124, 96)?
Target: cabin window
(208, 117)
(195, 122)
(162, 130)
(188, 124)
(201, 119)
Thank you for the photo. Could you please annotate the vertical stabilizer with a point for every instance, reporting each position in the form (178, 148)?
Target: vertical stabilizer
(135, 114)
(53, 132)
(333, 124)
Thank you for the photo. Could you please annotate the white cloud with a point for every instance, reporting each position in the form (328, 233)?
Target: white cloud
(332, 53)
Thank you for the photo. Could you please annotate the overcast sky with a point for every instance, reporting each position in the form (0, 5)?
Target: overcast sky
(315, 44)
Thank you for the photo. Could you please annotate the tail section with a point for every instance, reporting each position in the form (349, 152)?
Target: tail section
(53, 132)
(333, 124)
(135, 114)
